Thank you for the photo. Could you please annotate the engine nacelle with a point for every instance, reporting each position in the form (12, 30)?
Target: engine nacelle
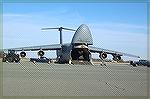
(116, 57)
(22, 54)
(119, 58)
(103, 55)
(40, 53)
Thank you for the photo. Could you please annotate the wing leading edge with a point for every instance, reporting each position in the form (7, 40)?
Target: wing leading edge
(34, 48)
(98, 50)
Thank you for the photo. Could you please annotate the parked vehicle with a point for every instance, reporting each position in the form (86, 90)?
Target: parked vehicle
(11, 56)
(141, 62)
(41, 60)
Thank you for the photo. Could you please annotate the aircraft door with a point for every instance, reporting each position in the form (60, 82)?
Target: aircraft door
(80, 54)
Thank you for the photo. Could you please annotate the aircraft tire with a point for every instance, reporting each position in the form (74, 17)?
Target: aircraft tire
(17, 60)
(48, 62)
(134, 65)
(131, 62)
(4, 59)
(34, 62)
(10, 59)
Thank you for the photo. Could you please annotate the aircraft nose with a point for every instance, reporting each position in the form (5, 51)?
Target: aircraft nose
(82, 35)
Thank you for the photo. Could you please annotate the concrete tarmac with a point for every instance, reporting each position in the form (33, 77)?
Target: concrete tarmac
(42, 79)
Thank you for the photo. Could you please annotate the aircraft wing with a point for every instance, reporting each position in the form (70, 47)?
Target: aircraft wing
(98, 50)
(34, 48)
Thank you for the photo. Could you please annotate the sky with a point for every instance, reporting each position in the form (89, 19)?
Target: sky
(115, 26)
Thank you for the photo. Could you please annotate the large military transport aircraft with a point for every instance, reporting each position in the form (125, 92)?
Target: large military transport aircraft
(79, 49)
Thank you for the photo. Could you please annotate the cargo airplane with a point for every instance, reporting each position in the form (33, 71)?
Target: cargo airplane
(79, 49)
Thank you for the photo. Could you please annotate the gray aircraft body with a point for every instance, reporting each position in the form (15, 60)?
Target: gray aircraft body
(79, 49)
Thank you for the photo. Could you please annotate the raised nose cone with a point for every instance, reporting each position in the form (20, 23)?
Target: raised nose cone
(82, 35)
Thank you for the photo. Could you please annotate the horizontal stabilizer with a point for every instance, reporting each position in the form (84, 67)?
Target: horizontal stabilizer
(59, 29)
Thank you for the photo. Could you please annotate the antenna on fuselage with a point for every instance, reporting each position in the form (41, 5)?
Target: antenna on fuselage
(60, 30)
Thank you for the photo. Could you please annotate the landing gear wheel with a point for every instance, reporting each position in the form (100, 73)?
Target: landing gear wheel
(17, 60)
(134, 65)
(4, 59)
(10, 59)
(34, 62)
(48, 62)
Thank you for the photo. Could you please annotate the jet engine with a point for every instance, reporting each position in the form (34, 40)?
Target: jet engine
(116, 57)
(22, 54)
(40, 53)
(103, 55)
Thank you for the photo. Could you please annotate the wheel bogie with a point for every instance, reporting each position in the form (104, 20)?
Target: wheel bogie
(11, 58)
(135, 65)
